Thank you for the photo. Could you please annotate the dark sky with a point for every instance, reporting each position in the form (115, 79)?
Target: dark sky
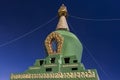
(22, 42)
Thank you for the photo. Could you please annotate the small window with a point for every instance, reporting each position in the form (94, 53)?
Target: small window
(52, 60)
(74, 61)
(67, 60)
(41, 62)
(48, 69)
(54, 45)
(74, 69)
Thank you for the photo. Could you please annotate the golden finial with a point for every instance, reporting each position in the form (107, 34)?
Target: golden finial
(62, 11)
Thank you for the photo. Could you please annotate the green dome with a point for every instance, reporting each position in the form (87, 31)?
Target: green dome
(71, 45)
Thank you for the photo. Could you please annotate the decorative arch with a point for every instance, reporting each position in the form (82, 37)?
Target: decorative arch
(54, 43)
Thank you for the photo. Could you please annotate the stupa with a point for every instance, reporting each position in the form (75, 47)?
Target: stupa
(63, 60)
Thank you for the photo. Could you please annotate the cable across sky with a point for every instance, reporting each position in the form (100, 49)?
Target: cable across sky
(26, 34)
(91, 19)
(89, 53)
(76, 17)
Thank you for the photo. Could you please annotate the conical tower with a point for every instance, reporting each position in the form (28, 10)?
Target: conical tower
(63, 61)
(62, 13)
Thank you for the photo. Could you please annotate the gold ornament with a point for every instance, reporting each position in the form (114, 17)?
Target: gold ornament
(48, 43)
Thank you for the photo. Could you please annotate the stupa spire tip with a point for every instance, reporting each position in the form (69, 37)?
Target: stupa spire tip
(62, 24)
(62, 11)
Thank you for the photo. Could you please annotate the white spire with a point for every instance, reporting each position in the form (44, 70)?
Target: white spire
(62, 24)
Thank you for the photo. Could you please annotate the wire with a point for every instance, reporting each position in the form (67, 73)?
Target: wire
(26, 34)
(89, 19)
(88, 51)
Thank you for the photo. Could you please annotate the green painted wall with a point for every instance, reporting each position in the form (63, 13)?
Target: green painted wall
(72, 45)
(59, 65)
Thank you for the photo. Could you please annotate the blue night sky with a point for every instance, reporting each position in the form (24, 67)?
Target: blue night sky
(22, 36)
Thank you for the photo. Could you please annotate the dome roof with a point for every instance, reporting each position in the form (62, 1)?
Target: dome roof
(71, 44)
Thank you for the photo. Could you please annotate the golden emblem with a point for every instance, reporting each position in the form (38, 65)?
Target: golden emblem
(54, 36)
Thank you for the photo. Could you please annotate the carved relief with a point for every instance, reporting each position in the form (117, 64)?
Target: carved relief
(54, 43)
